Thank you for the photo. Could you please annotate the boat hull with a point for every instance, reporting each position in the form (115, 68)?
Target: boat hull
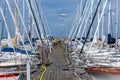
(9, 76)
(103, 73)
(103, 76)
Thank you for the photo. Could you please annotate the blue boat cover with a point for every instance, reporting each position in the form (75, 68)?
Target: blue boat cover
(28, 42)
(10, 49)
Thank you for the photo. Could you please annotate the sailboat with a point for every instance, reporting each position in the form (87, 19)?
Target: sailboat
(104, 63)
(21, 52)
(15, 52)
(99, 57)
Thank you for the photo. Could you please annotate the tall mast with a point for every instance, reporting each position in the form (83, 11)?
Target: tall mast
(103, 24)
(90, 26)
(35, 21)
(81, 8)
(1, 26)
(109, 16)
(98, 21)
(40, 16)
(2, 22)
(117, 3)
(23, 9)
(76, 19)
(23, 14)
(16, 15)
(91, 18)
(105, 3)
(78, 34)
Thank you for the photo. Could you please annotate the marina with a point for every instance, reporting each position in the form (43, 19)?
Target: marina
(59, 40)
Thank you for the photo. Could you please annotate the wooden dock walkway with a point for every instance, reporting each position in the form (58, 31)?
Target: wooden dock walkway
(59, 68)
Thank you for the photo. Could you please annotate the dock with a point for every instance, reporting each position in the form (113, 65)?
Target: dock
(58, 69)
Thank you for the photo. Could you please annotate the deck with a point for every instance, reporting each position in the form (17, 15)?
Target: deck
(59, 69)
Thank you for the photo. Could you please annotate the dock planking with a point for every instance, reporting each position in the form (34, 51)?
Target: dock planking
(58, 69)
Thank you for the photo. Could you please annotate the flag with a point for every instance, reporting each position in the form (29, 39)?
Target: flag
(17, 32)
(113, 11)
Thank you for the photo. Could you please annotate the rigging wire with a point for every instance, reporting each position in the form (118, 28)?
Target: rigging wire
(78, 25)
(83, 20)
(40, 16)
(90, 26)
(2, 27)
(35, 20)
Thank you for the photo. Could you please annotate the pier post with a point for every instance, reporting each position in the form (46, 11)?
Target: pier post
(28, 70)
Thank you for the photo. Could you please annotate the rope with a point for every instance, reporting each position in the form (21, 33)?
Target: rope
(43, 72)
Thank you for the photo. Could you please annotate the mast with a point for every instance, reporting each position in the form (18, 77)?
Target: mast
(33, 15)
(76, 19)
(13, 18)
(23, 14)
(91, 18)
(2, 22)
(16, 16)
(98, 21)
(86, 20)
(83, 19)
(28, 69)
(30, 25)
(77, 30)
(7, 29)
(24, 26)
(39, 14)
(23, 9)
(103, 25)
(81, 7)
(117, 4)
(90, 26)
(109, 16)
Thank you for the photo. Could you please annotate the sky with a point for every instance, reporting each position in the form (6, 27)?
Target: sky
(52, 9)
(51, 12)
(59, 26)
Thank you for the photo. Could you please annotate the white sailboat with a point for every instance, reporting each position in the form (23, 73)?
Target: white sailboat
(13, 55)
(104, 64)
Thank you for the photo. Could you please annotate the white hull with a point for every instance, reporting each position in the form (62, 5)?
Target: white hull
(103, 76)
